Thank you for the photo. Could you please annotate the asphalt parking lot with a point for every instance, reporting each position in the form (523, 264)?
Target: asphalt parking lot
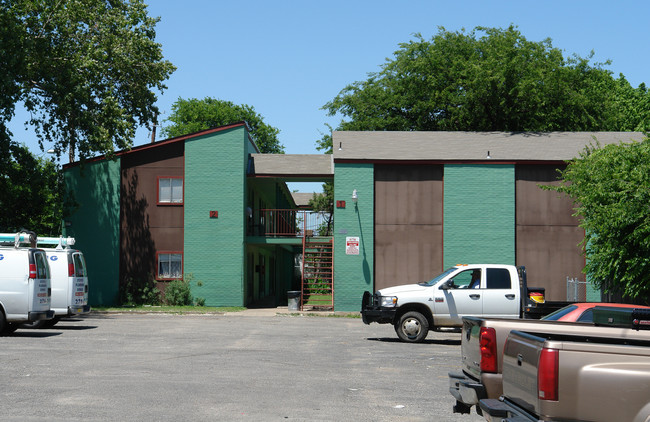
(228, 367)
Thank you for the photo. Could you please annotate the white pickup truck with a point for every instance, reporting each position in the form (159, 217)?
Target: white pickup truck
(486, 290)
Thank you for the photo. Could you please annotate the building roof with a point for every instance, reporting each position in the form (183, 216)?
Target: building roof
(469, 146)
(292, 166)
(302, 198)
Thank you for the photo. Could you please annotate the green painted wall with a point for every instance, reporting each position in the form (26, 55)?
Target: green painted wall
(95, 225)
(215, 180)
(353, 274)
(479, 214)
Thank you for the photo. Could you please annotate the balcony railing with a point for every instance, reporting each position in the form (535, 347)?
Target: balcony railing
(289, 223)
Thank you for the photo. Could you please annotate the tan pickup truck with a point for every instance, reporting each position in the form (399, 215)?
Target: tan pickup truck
(482, 346)
(582, 376)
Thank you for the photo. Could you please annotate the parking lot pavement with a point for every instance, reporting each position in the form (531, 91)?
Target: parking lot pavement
(225, 368)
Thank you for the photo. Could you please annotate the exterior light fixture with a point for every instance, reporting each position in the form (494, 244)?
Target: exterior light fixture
(355, 197)
(488, 155)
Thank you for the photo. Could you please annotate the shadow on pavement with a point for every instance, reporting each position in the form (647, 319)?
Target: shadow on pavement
(445, 342)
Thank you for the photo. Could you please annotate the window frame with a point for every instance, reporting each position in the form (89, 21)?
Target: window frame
(159, 277)
(170, 203)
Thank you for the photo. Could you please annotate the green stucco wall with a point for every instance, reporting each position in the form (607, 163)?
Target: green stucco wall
(479, 214)
(215, 180)
(95, 225)
(353, 274)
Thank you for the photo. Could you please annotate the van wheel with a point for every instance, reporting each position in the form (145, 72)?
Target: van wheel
(34, 325)
(412, 327)
(51, 322)
(3, 322)
(9, 328)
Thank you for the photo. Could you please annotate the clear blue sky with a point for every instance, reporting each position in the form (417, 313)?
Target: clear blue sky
(288, 58)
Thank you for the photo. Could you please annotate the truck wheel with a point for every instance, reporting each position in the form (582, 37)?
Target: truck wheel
(412, 327)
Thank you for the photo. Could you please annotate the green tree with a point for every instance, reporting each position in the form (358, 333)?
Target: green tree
(611, 189)
(30, 191)
(488, 79)
(86, 71)
(193, 115)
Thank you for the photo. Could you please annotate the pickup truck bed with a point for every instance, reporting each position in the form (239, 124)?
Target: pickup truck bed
(573, 377)
(482, 345)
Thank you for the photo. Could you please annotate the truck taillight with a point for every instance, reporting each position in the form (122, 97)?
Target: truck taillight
(70, 269)
(488, 343)
(32, 271)
(547, 370)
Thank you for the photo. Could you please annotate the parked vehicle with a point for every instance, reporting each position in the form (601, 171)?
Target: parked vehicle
(482, 343)
(583, 312)
(69, 280)
(25, 290)
(488, 290)
(576, 377)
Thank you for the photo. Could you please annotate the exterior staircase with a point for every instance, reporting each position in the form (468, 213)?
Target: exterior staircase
(317, 274)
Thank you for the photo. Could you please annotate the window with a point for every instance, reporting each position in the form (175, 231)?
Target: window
(498, 278)
(468, 279)
(170, 265)
(170, 190)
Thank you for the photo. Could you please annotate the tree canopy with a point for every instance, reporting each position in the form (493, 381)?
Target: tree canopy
(611, 188)
(490, 79)
(86, 70)
(30, 191)
(193, 115)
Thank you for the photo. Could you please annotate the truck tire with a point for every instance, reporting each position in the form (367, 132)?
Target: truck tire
(412, 327)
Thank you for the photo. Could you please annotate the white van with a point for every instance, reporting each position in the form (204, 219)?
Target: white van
(69, 280)
(69, 283)
(25, 290)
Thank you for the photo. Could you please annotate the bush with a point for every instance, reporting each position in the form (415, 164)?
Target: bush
(178, 293)
(136, 292)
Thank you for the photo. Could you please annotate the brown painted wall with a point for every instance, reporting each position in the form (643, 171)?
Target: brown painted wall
(547, 233)
(408, 223)
(145, 226)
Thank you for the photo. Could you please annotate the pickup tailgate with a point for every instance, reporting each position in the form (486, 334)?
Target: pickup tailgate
(520, 360)
(577, 378)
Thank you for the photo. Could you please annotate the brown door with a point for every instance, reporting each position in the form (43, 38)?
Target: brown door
(408, 223)
(547, 233)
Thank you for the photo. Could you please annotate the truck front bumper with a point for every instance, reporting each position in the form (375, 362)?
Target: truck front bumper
(372, 312)
(466, 391)
(38, 316)
(503, 411)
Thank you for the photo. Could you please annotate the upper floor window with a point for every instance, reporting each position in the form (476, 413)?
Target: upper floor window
(170, 190)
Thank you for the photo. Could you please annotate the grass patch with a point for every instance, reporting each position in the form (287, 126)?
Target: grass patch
(169, 309)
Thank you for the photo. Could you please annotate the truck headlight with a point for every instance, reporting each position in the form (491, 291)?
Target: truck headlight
(389, 301)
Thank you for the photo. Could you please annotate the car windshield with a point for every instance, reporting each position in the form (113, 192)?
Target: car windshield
(554, 316)
(439, 277)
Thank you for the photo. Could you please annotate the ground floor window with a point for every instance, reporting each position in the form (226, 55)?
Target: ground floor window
(170, 265)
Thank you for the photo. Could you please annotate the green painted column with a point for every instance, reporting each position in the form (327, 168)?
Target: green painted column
(95, 225)
(353, 269)
(479, 214)
(215, 180)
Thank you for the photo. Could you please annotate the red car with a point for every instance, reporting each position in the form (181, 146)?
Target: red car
(584, 312)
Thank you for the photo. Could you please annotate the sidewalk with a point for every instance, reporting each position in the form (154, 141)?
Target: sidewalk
(284, 311)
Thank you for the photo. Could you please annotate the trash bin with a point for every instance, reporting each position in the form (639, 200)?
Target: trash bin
(293, 298)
